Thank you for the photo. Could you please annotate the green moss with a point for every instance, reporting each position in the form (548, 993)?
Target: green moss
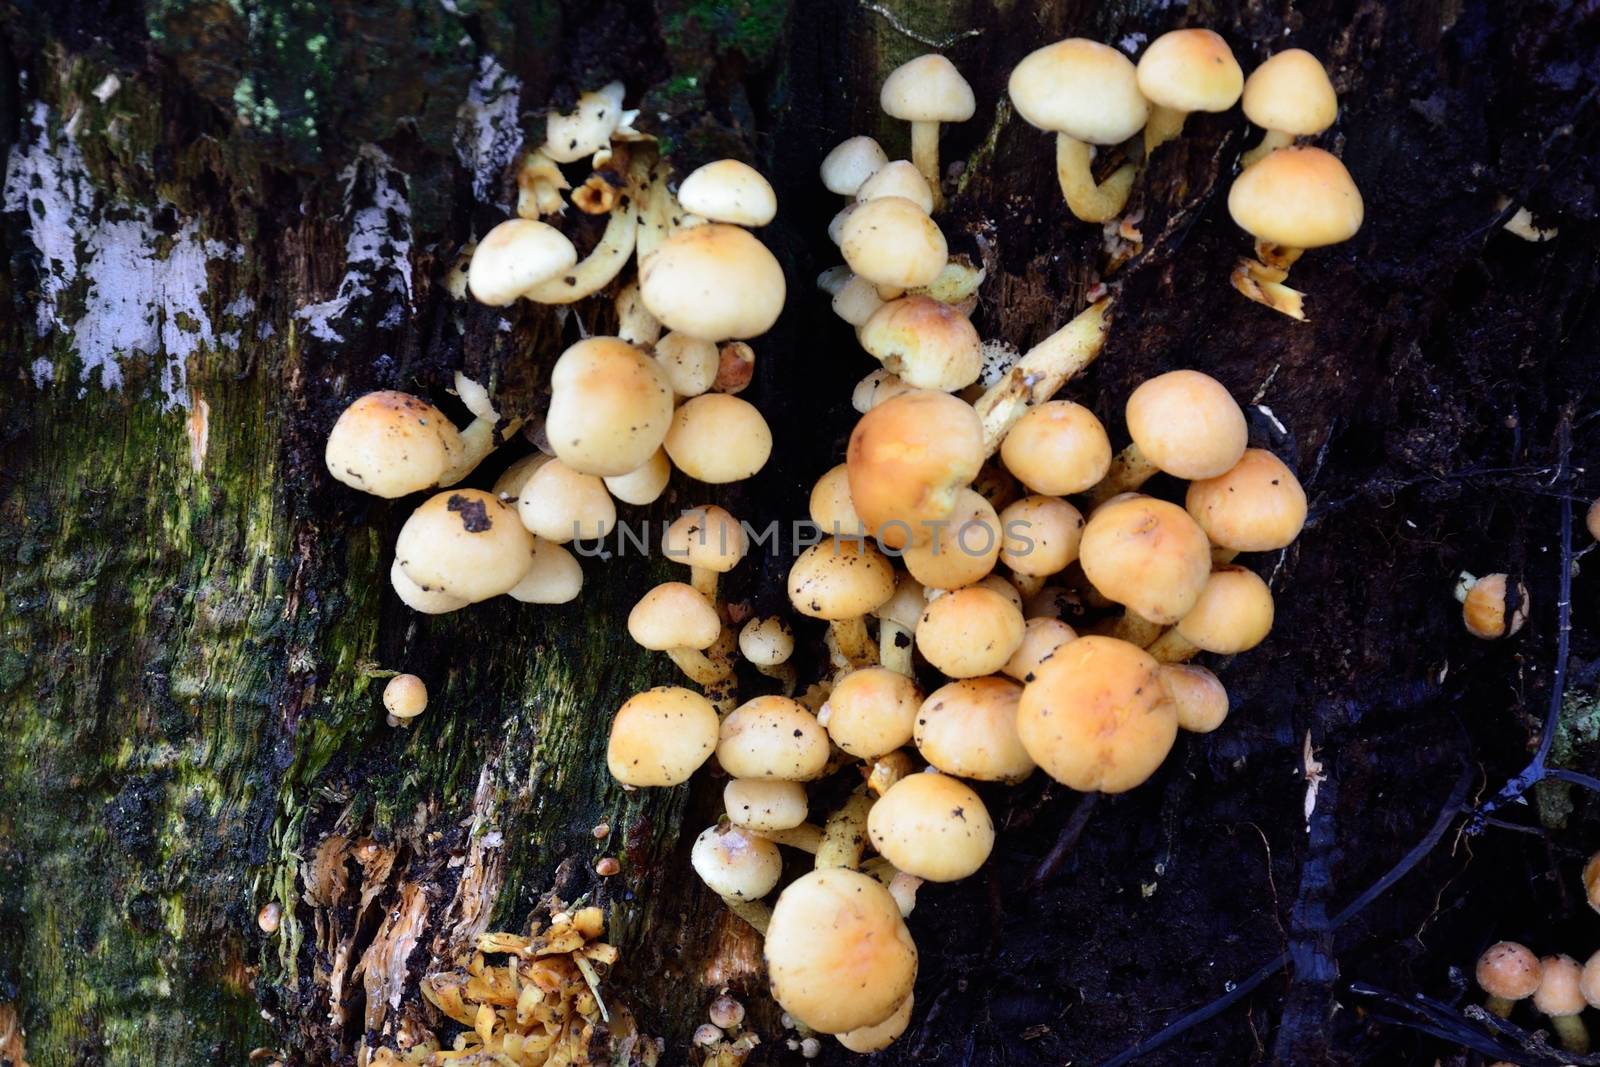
(749, 28)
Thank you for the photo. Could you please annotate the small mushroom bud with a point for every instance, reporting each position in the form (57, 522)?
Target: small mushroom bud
(1591, 881)
(1234, 614)
(1289, 96)
(926, 91)
(1589, 981)
(1591, 519)
(390, 444)
(515, 256)
(736, 367)
(610, 407)
(1184, 423)
(1508, 972)
(932, 826)
(465, 543)
(735, 863)
(1057, 448)
(1041, 636)
(969, 632)
(270, 917)
(676, 619)
(710, 541)
(876, 388)
(772, 737)
(729, 191)
(963, 549)
(842, 580)
(1041, 537)
(850, 163)
(909, 459)
(1184, 71)
(855, 299)
(1560, 997)
(1257, 506)
(553, 578)
(1197, 695)
(871, 710)
(689, 363)
(706, 1035)
(717, 438)
(898, 178)
(928, 344)
(1490, 607)
(969, 729)
(1147, 555)
(879, 1036)
(715, 282)
(838, 953)
(764, 805)
(406, 696)
(726, 1013)
(561, 505)
(661, 736)
(892, 241)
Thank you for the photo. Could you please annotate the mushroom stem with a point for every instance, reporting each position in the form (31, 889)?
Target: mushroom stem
(880, 868)
(1464, 584)
(1137, 630)
(1277, 259)
(1571, 1032)
(1130, 469)
(1028, 585)
(480, 439)
(894, 646)
(783, 673)
(1271, 141)
(704, 581)
(1221, 557)
(757, 914)
(1041, 371)
(1088, 199)
(1273, 294)
(903, 887)
(724, 694)
(925, 157)
(807, 837)
(635, 324)
(1172, 647)
(887, 770)
(609, 256)
(698, 666)
(854, 644)
(661, 215)
(845, 835)
(1500, 1006)
(1164, 124)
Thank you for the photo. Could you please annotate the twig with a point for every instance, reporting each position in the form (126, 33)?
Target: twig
(1496, 1038)
(1064, 844)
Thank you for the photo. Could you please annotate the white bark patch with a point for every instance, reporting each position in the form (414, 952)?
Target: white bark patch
(144, 293)
(487, 135)
(377, 252)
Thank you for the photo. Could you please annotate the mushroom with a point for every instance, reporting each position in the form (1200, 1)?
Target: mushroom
(1041, 371)
(405, 697)
(1041, 537)
(560, 505)
(1147, 555)
(554, 577)
(539, 186)
(879, 1036)
(1289, 96)
(1041, 636)
(764, 804)
(735, 863)
(717, 438)
(1086, 93)
(1591, 881)
(1589, 981)
(772, 737)
(1508, 972)
(767, 642)
(465, 543)
(635, 324)
(855, 299)
(710, 541)
(1058, 448)
(898, 178)
(1257, 506)
(830, 505)
(1234, 614)
(926, 343)
(676, 619)
(1490, 607)
(736, 367)
(844, 836)
(644, 485)
(926, 91)
(838, 953)
(1591, 519)
(610, 253)
(961, 550)
(588, 128)
(892, 242)
(1184, 423)
(1184, 71)
(729, 191)
(969, 632)
(888, 769)
(841, 580)
(897, 621)
(870, 711)
(932, 826)
(415, 597)
(850, 163)
(1294, 199)
(715, 282)
(1560, 997)
(876, 388)
(690, 363)
(908, 459)
(1197, 695)
(515, 256)
(661, 736)
(1095, 716)
(508, 486)
(968, 728)
(610, 407)
(392, 444)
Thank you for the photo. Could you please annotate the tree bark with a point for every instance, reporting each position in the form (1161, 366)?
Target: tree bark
(225, 221)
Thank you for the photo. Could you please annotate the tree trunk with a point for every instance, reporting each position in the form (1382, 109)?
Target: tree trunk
(225, 221)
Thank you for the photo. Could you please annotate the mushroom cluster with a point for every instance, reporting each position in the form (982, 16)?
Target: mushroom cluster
(1559, 987)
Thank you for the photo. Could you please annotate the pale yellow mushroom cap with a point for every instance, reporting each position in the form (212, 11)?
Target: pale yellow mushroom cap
(466, 543)
(1256, 506)
(644, 485)
(735, 863)
(830, 504)
(1187, 424)
(553, 578)
(898, 178)
(389, 444)
(1234, 612)
(514, 257)
(729, 191)
(707, 537)
(1057, 447)
(1095, 716)
(764, 805)
(610, 407)
(969, 729)
(927, 89)
(850, 163)
(1509, 971)
(1484, 610)
(838, 953)
(1082, 88)
(1040, 638)
(717, 438)
(1300, 197)
(969, 632)
(587, 128)
(1197, 695)
(772, 737)
(405, 697)
(766, 641)
(1291, 93)
(961, 551)
(932, 826)
(892, 241)
(856, 301)
(879, 1036)
(1042, 534)
(674, 615)
(714, 281)
(871, 710)
(690, 363)
(928, 343)
(661, 736)
(1589, 981)
(879, 386)
(909, 458)
(427, 601)
(1147, 555)
(840, 578)
(1559, 993)
(560, 505)
(1190, 70)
